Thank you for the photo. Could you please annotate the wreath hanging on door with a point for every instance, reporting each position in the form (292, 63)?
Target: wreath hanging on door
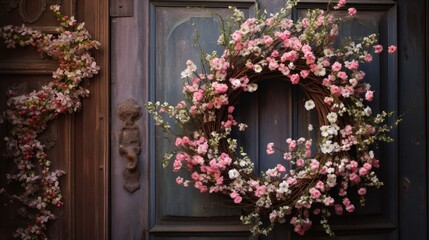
(29, 115)
(302, 52)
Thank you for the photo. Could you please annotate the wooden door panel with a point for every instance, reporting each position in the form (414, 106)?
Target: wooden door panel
(23, 70)
(274, 112)
(67, 136)
(380, 211)
(174, 30)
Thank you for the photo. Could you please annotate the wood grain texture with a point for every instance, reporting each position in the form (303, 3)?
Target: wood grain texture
(92, 134)
(130, 79)
(24, 68)
(413, 158)
(138, 74)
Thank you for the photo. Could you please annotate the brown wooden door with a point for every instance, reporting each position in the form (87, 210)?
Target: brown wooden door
(76, 143)
(149, 50)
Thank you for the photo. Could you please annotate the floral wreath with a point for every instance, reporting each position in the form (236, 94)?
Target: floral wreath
(30, 113)
(302, 52)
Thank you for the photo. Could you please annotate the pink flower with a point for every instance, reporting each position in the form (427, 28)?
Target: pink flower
(352, 65)
(350, 208)
(178, 141)
(282, 35)
(342, 75)
(291, 181)
(375, 163)
(234, 194)
(304, 73)
(202, 148)
(320, 185)
(283, 69)
(275, 53)
(186, 183)
(338, 209)
(352, 166)
(270, 149)
(352, 11)
(328, 201)
(230, 109)
(367, 166)
(272, 63)
(198, 96)
(340, 4)
(314, 165)
(199, 185)
(294, 78)
(369, 95)
(336, 66)
(280, 168)
(335, 90)
(195, 176)
(306, 48)
(391, 49)
(236, 36)
(267, 39)
(328, 100)
(238, 199)
(219, 87)
(176, 165)
(289, 56)
(309, 57)
(362, 191)
(260, 190)
(287, 156)
(378, 48)
(300, 162)
(346, 202)
(218, 102)
(292, 146)
(219, 180)
(273, 216)
(363, 171)
(354, 178)
(368, 57)
(179, 180)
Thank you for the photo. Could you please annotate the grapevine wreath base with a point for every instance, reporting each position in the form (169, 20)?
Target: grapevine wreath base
(302, 52)
(29, 115)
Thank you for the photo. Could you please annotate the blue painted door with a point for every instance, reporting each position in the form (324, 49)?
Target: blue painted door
(162, 36)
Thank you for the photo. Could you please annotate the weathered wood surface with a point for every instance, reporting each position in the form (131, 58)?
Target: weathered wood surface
(148, 53)
(80, 143)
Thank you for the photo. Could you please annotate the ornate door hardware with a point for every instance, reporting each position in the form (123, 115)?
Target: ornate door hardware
(129, 143)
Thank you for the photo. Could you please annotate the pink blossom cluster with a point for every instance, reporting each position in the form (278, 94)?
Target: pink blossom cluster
(308, 183)
(30, 113)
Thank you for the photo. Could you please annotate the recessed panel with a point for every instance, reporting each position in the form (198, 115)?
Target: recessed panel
(177, 30)
(367, 22)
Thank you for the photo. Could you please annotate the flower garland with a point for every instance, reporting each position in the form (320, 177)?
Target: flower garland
(302, 52)
(29, 115)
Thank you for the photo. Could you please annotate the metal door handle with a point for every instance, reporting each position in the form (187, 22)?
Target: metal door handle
(129, 143)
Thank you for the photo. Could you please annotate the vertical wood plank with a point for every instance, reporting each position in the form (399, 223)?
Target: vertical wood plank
(413, 196)
(275, 120)
(130, 79)
(92, 133)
